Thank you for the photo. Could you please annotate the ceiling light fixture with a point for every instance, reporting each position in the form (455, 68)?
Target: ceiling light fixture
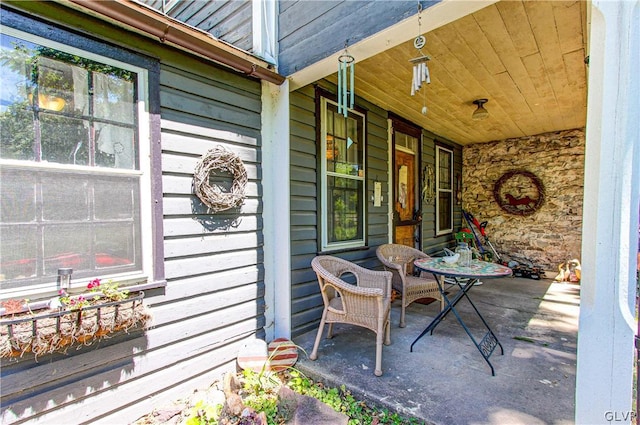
(480, 113)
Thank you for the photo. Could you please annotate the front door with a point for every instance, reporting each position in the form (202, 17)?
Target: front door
(407, 214)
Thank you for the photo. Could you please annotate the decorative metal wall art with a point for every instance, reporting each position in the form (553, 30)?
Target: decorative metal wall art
(428, 184)
(346, 82)
(519, 192)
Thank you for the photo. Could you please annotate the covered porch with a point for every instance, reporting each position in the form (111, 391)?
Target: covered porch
(466, 51)
(445, 379)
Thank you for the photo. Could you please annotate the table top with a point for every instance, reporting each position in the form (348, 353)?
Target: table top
(477, 269)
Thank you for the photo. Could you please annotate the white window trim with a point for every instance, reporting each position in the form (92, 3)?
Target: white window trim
(439, 190)
(144, 159)
(326, 246)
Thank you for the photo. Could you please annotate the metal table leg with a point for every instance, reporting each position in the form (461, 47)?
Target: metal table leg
(489, 341)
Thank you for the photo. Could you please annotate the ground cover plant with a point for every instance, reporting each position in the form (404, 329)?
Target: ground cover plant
(257, 394)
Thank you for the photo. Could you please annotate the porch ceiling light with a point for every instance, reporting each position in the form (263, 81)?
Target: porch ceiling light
(480, 113)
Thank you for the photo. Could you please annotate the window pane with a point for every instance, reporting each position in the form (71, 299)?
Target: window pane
(65, 198)
(19, 243)
(343, 145)
(54, 83)
(15, 72)
(444, 169)
(344, 209)
(18, 200)
(16, 133)
(115, 245)
(66, 246)
(16, 120)
(64, 139)
(115, 146)
(113, 97)
(444, 211)
(116, 198)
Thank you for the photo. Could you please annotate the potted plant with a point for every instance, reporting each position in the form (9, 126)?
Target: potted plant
(81, 319)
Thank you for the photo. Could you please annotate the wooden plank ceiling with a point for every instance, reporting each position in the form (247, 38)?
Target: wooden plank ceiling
(526, 57)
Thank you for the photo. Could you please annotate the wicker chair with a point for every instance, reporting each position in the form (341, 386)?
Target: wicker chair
(366, 304)
(398, 259)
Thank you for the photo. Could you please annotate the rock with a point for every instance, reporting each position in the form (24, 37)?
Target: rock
(305, 410)
(287, 402)
(233, 405)
(163, 415)
(231, 384)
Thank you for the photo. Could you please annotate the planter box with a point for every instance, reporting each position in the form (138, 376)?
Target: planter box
(44, 333)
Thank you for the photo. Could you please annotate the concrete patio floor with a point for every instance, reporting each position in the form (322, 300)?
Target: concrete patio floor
(445, 380)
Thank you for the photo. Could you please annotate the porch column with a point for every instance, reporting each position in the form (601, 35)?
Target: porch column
(275, 199)
(604, 376)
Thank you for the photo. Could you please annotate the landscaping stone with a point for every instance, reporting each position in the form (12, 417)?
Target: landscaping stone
(307, 410)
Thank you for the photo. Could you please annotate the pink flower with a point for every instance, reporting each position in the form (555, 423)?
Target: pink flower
(62, 292)
(95, 283)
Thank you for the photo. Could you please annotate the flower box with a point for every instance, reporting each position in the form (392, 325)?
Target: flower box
(52, 331)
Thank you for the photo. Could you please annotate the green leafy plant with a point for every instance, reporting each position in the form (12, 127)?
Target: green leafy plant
(204, 414)
(109, 289)
(72, 303)
(341, 400)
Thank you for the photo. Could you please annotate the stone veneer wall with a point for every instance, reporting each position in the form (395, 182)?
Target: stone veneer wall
(552, 234)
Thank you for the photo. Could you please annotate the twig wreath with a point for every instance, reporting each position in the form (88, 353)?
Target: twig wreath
(215, 196)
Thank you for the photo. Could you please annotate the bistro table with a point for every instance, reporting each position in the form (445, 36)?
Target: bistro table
(464, 277)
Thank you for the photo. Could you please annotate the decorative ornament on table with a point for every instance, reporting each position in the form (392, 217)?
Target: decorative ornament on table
(420, 67)
(346, 81)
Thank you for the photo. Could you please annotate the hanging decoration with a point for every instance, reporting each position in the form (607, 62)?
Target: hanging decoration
(420, 67)
(519, 192)
(214, 193)
(428, 184)
(346, 77)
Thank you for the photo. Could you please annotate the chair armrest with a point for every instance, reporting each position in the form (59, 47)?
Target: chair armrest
(342, 286)
(396, 263)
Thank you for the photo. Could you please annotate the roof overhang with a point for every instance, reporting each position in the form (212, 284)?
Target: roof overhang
(148, 22)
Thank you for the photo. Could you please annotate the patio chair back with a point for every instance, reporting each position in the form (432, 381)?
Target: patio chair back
(367, 303)
(399, 259)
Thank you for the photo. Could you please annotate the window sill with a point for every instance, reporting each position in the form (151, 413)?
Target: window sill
(342, 250)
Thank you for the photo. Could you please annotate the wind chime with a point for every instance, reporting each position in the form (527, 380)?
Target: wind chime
(420, 67)
(346, 73)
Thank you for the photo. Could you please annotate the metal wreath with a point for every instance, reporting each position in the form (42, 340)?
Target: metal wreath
(214, 196)
(524, 205)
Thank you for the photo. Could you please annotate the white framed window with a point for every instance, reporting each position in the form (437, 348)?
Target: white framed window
(74, 165)
(343, 177)
(444, 190)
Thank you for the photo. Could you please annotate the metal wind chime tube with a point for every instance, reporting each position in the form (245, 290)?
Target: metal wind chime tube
(420, 67)
(346, 83)
(420, 73)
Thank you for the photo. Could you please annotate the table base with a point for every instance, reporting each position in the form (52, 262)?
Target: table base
(489, 341)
